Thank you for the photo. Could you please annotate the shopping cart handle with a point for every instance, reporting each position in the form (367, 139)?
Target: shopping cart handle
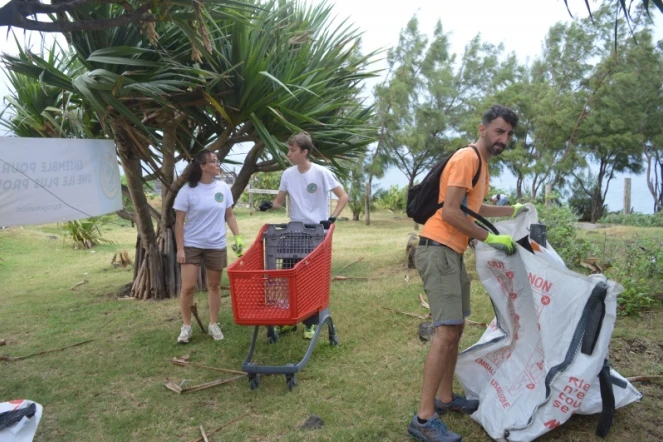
(285, 226)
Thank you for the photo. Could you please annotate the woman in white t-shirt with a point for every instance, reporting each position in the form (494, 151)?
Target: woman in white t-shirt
(207, 206)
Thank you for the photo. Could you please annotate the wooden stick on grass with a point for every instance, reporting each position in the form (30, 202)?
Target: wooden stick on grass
(645, 378)
(198, 439)
(361, 258)
(414, 315)
(349, 278)
(194, 310)
(202, 431)
(182, 362)
(179, 390)
(17, 358)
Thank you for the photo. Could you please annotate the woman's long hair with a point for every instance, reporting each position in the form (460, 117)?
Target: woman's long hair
(195, 172)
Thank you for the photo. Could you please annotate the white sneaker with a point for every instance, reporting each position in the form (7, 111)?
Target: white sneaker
(215, 331)
(185, 334)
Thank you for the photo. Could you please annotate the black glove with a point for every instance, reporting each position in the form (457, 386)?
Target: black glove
(265, 206)
(328, 222)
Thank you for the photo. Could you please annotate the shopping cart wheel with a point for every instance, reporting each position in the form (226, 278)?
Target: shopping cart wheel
(254, 381)
(291, 381)
(333, 339)
(272, 335)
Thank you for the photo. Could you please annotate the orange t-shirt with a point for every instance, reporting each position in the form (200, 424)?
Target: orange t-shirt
(458, 172)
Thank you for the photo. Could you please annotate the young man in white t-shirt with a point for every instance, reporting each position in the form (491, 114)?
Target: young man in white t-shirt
(308, 186)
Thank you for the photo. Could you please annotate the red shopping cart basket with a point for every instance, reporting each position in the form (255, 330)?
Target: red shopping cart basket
(282, 279)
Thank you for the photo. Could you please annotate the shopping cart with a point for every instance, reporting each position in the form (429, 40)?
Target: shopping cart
(282, 279)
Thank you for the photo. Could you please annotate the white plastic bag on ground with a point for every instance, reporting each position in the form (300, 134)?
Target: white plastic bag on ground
(530, 369)
(24, 430)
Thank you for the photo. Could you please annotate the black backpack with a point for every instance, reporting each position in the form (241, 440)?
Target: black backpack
(422, 199)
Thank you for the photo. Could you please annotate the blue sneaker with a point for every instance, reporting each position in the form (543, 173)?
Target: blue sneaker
(433, 430)
(459, 403)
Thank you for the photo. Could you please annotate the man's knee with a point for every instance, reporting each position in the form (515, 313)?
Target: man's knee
(448, 334)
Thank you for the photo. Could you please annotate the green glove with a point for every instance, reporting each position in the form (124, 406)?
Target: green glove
(238, 247)
(503, 243)
(518, 209)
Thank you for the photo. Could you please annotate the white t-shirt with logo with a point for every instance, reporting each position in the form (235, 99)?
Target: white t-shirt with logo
(309, 193)
(205, 206)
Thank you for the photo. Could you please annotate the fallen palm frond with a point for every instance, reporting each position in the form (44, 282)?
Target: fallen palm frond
(177, 388)
(17, 358)
(121, 259)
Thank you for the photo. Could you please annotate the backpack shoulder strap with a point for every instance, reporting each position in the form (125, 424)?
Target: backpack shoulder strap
(476, 175)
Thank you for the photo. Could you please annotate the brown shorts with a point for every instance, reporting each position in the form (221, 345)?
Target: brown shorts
(214, 259)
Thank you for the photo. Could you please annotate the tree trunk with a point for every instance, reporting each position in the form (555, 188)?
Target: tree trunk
(150, 272)
(597, 206)
(519, 187)
(248, 169)
(653, 185)
(367, 199)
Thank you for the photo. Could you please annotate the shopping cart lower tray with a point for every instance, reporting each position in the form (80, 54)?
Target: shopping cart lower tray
(282, 279)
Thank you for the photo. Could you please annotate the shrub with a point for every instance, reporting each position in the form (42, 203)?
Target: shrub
(633, 298)
(263, 180)
(85, 233)
(562, 233)
(393, 199)
(634, 219)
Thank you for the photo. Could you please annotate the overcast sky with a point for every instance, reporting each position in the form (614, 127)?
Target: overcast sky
(520, 25)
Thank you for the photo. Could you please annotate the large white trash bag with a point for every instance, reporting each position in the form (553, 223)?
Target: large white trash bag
(16, 428)
(528, 370)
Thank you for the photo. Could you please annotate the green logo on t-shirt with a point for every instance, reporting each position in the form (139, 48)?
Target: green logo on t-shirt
(311, 188)
(218, 197)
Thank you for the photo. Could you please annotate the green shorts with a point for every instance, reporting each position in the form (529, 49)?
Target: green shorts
(446, 283)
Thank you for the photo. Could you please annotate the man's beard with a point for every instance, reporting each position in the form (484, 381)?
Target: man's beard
(494, 150)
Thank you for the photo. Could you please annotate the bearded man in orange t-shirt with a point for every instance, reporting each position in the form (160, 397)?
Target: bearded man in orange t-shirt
(439, 260)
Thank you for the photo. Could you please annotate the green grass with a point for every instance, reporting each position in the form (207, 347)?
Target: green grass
(367, 388)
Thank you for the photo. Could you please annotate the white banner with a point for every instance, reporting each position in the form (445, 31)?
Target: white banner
(48, 180)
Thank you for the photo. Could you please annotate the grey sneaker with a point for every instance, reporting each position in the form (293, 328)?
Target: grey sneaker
(433, 430)
(459, 403)
(185, 334)
(215, 331)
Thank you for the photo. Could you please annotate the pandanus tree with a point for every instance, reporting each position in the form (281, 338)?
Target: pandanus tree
(212, 82)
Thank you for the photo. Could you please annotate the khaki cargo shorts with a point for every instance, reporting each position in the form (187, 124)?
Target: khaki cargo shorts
(446, 283)
(214, 259)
